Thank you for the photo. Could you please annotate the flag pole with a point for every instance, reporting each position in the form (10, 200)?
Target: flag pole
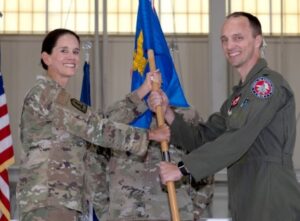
(164, 144)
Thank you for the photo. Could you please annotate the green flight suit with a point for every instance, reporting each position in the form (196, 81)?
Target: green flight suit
(253, 135)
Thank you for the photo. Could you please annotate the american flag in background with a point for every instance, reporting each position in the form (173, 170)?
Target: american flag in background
(6, 155)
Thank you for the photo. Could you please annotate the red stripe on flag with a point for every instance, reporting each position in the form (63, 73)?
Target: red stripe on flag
(3, 218)
(4, 132)
(3, 110)
(6, 155)
(3, 199)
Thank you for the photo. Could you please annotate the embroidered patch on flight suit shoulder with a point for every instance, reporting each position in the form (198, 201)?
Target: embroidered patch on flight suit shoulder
(79, 105)
(262, 87)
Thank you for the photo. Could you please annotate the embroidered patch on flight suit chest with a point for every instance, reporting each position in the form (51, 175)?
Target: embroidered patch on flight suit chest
(262, 87)
(234, 103)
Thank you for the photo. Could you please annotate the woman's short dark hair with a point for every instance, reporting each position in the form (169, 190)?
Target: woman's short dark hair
(50, 41)
(253, 20)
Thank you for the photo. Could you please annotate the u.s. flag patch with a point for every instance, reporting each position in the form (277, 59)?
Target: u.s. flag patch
(262, 87)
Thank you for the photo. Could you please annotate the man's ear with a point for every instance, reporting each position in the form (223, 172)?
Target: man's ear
(258, 41)
(46, 58)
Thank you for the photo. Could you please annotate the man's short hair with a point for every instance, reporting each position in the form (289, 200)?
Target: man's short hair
(253, 20)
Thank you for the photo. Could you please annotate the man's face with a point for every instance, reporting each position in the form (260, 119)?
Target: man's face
(240, 47)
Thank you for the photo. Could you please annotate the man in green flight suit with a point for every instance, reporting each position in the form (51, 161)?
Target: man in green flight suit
(253, 135)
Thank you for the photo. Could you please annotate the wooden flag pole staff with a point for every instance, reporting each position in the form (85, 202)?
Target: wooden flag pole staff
(164, 144)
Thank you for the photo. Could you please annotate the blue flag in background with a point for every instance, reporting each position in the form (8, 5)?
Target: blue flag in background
(149, 35)
(85, 96)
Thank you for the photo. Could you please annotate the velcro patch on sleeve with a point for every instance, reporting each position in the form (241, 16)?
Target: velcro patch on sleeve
(79, 105)
(262, 87)
(64, 99)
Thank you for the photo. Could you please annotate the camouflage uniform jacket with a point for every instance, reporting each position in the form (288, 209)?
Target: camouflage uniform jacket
(97, 158)
(54, 130)
(138, 193)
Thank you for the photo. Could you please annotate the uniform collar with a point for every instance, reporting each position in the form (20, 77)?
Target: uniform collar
(49, 80)
(261, 64)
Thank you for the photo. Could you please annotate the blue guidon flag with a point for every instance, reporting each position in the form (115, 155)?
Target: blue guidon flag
(149, 35)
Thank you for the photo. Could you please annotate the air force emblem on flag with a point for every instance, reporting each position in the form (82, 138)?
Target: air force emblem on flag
(262, 87)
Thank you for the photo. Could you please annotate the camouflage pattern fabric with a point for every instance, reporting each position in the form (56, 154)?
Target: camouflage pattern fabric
(97, 178)
(78, 119)
(136, 192)
(125, 111)
(51, 213)
(54, 130)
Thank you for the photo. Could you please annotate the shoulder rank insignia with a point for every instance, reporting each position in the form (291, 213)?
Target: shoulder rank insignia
(262, 87)
(79, 105)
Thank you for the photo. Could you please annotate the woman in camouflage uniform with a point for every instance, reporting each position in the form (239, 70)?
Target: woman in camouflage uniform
(54, 130)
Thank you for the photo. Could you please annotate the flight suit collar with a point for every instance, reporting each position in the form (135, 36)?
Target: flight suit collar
(261, 64)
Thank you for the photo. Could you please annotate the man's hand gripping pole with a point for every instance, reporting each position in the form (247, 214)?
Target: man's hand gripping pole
(164, 144)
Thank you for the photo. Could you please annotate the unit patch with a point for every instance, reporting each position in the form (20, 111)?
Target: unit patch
(79, 105)
(262, 87)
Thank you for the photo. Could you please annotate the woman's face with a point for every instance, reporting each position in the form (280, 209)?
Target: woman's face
(64, 60)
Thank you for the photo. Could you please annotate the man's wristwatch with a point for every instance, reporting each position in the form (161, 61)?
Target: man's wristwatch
(183, 169)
